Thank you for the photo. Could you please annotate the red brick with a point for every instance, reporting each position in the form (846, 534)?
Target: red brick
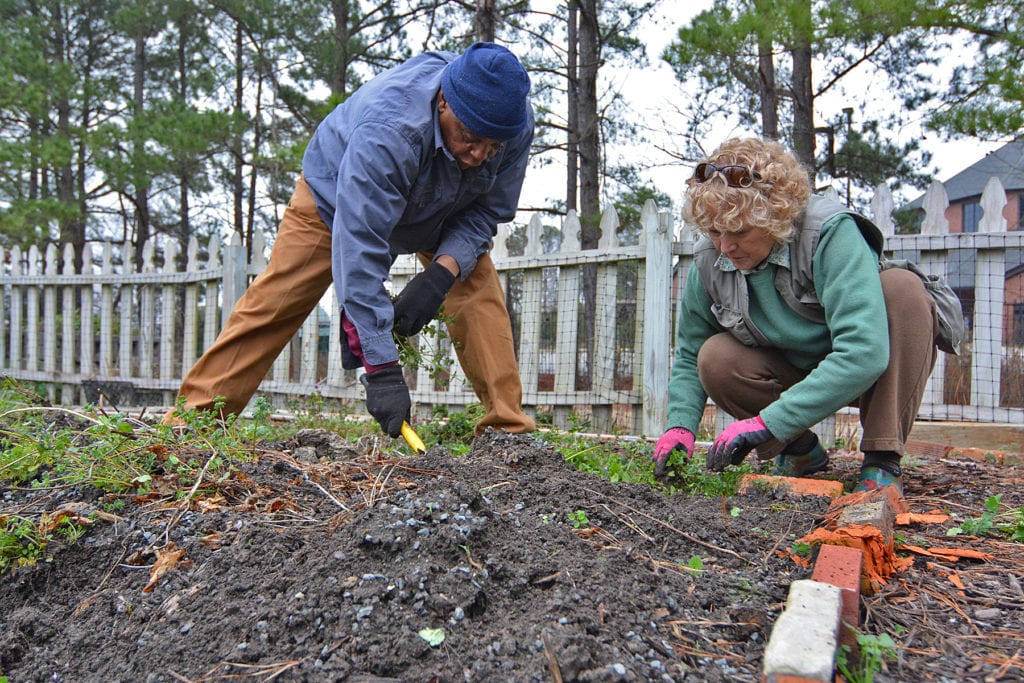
(783, 678)
(841, 566)
(796, 485)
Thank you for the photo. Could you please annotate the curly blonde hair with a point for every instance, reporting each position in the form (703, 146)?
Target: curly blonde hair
(772, 203)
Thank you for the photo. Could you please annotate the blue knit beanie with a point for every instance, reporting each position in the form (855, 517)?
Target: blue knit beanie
(486, 87)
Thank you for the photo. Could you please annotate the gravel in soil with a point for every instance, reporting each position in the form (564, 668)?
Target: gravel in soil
(328, 561)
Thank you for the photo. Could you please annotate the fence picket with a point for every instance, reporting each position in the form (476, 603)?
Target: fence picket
(147, 313)
(605, 346)
(532, 312)
(657, 332)
(126, 295)
(68, 393)
(17, 297)
(86, 336)
(32, 313)
(567, 332)
(190, 314)
(50, 317)
(107, 311)
(211, 295)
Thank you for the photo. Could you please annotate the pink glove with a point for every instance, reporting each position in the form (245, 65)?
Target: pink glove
(733, 444)
(675, 439)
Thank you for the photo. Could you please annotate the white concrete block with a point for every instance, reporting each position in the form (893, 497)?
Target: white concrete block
(804, 638)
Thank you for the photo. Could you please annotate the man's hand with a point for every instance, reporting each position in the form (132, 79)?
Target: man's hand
(387, 398)
(733, 444)
(417, 304)
(675, 439)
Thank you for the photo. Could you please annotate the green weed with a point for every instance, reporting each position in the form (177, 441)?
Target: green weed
(993, 521)
(23, 541)
(20, 543)
(429, 350)
(579, 519)
(874, 651)
(695, 565)
(800, 550)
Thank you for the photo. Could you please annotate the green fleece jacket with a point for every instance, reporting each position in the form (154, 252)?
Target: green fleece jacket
(844, 356)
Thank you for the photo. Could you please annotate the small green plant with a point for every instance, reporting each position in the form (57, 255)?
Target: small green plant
(258, 427)
(993, 521)
(695, 565)
(21, 544)
(693, 478)
(579, 519)
(874, 651)
(1015, 527)
(800, 549)
(429, 350)
(453, 429)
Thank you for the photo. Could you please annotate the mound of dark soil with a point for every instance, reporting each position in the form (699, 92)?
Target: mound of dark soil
(327, 562)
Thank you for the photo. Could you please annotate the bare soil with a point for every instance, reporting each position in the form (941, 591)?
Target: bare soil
(327, 561)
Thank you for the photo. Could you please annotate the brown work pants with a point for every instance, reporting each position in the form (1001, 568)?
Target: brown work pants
(743, 380)
(299, 272)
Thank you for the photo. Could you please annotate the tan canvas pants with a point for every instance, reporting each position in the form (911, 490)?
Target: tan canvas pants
(299, 272)
(743, 380)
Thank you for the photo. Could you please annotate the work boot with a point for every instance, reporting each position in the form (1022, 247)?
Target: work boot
(875, 478)
(801, 465)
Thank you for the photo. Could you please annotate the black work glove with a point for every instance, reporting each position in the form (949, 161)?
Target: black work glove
(417, 304)
(733, 444)
(387, 398)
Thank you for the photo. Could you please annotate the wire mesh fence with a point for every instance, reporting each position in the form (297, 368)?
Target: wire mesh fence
(593, 328)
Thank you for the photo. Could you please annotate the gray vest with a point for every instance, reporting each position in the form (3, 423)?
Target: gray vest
(730, 300)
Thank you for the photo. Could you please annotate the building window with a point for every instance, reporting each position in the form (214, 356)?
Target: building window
(972, 215)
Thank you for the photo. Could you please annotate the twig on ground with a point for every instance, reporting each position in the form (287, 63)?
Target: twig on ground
(556, 672)
(680, 532)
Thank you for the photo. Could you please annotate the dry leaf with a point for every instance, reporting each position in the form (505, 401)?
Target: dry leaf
(166, 560)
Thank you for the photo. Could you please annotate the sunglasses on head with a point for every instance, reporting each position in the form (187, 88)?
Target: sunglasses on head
(733, 174)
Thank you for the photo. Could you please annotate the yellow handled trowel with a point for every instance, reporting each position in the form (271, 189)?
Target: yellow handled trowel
(412, 438)
(408, 433)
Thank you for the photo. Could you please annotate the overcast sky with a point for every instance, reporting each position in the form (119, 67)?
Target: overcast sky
(654, 91)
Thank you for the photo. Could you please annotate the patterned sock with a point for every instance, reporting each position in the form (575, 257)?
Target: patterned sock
(884, 460)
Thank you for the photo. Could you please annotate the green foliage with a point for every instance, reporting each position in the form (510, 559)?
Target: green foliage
(720, 49)
(20, 543)
(258, 426)
(453, 430)
(110, 453)
(985, 98)
(315, 411)
(874, 651)
(801, 549)
(695, 565)
(992, 521)
(692, 476)
(618, 461)
(23, 541)
(428, 349)
(579, 519)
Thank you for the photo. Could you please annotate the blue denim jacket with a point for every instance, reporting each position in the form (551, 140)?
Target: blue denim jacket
(385, 184)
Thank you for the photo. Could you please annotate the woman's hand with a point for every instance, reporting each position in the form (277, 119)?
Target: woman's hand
(735, 441)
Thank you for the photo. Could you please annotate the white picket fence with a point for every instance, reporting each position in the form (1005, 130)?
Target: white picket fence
(109, 334)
